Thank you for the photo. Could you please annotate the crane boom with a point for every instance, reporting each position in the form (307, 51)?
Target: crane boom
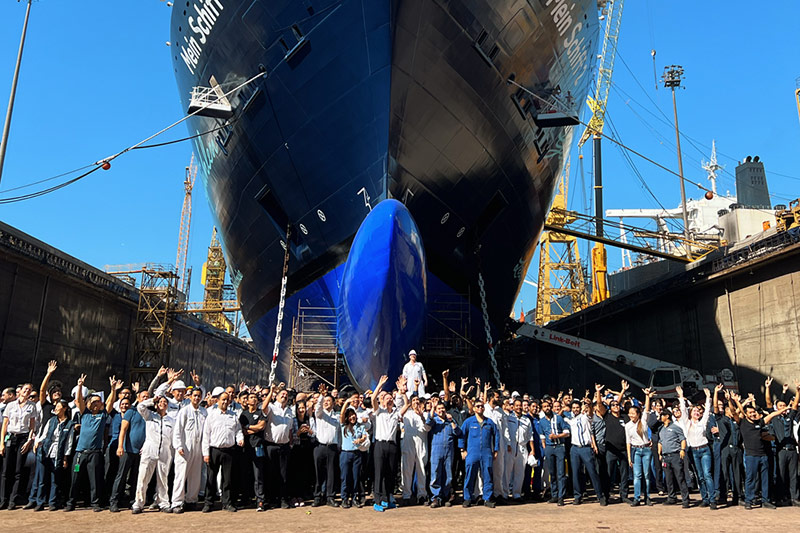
(186, 224)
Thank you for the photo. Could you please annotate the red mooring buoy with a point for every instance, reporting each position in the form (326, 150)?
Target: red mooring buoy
(106, 165)
(709, 195)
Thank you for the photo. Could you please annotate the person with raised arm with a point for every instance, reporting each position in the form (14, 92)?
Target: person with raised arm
(640, 449)
(89, 449)
(414, 450)
(156, 453)
(756, 439)
(355, 440)
(386, 423)
(187, 439)
(445, 432)
(694, 426)
(783, 427)
(325, 425)
(280, 431)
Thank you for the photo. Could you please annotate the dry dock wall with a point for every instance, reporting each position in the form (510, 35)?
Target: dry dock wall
(53, 306)
(745, 318)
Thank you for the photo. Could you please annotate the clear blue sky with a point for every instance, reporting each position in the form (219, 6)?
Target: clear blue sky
(97, 77)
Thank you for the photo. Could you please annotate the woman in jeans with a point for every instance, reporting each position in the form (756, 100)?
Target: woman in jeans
(694, 425)
(640, 449)
(354, 434)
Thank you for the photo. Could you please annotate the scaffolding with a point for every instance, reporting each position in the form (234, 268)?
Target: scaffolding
(561, 280)
(315, 354)
(154, 315)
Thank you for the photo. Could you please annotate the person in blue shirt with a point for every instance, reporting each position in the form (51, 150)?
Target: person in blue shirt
(129, 445)
(354, 438)
(89, 450)
(553, 432)
(444, 433)
(479, 443)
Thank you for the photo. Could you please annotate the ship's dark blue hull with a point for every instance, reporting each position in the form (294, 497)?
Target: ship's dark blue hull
(367, 100)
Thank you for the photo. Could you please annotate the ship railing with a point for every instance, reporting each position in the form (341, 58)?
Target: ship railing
(210, 102)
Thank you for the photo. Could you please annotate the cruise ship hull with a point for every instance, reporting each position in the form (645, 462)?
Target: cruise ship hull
(368, 101)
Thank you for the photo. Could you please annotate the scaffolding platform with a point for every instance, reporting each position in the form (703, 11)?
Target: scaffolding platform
(315, 352)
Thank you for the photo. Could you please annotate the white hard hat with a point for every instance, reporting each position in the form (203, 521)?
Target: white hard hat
(217, 391)
(412, 352)
(178, 385)
(85, 391)
(515, 394)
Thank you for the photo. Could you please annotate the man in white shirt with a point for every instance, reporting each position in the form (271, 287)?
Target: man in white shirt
(386, 422)
(16, 440)
(523, 446)
(583, 451)
(493, 410)
(414, 449)
(222, 432)
(187, 439)
(156, 452)
(281, 426)
(325, 425)
(414, 372)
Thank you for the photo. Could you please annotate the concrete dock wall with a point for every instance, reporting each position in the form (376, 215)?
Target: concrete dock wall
(744, 318)
(53, 306)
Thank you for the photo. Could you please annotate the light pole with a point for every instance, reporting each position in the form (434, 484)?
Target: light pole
(7, 124)
(673, 75)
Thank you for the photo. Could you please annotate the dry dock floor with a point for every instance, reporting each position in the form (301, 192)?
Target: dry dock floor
(519, 519)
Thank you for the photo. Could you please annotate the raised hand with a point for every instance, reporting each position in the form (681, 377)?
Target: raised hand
(135, 387)
(648, 392)
(735, 396)
(768, 382)
(118, 385)
(382, 380)
(570, 392)
(624, 385)
(162, 371)
(195, 378)
(708, 392)
(51, 367)
(598, 387)
(719, 387)
(464, 382)
(785, 387)
(451, 386)
(679, 390)
(446, 373)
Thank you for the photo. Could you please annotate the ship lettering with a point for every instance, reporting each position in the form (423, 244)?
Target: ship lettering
(208, 12)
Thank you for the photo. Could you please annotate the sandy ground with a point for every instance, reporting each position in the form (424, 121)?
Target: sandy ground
(521, 518)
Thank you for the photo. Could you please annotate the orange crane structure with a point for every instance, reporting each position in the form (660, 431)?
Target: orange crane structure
(181, 267)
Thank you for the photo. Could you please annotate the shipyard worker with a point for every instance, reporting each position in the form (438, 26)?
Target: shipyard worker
(415, 375)
(55, 446)
(731, 457)
(254, 421)
(414, 450)
(222, 432)
(756, 438)
(174, 389)
(445, 433)
(639, 448)
(281, 428)
(783, 427)
(615, 457)
(354, 437)
(156, 452)
(694, 425)
(479, 443)
(583, 451)
(325, 426)
(523, 448)
(554, 431)
(16, 440)
(187, 440)
(132, 433)
(386, 422)
(493, 409)
(88, 460)
(672, 454)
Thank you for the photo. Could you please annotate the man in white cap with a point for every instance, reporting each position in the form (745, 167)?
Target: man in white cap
(415, 375)
(175, 390)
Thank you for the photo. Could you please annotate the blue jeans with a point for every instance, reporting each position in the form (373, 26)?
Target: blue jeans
(755, 465)
(484, 462)
(554, 456)
(642, 457)
(702, 464)
(350, 467)
(37, 495)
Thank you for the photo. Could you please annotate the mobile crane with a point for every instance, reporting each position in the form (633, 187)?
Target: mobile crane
(664, 377)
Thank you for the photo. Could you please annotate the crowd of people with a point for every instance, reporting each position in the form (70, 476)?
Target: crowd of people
(175, 448)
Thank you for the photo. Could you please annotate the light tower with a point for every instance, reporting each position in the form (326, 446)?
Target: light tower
(673, 75)
(712, 167)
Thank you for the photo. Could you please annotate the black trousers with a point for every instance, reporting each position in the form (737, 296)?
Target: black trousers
(673, 470)
(326, 456)
(616, 461)
(87, 464)
(111, 466)
(732, 461)
(786, 480)
(13, 464)
(125, 481)
(258, 470)
(277, 471)
(385, 470)
(658, 469)
(220, 458)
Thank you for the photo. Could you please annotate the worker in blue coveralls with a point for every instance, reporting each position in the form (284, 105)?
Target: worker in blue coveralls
(554, 430)
(479, 443)
(444, 432)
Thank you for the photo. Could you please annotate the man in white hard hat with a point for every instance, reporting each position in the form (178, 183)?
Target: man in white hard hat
(415, 375)
(175, 390)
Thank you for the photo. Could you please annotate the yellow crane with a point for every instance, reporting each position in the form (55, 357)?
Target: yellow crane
(214, 304)
(561, 289)
(613, 16)
(181, 268)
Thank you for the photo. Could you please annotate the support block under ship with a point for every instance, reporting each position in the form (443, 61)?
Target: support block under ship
(387, 133)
